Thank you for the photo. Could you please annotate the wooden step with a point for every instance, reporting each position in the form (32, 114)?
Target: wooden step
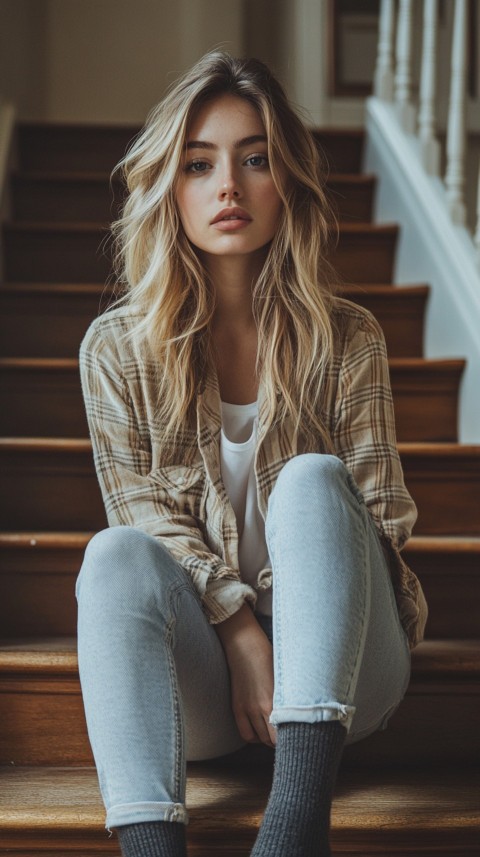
(365, 253)
(444, 480)
(342, 148)
(41, 397)
(78, 252)
(38, 573)
(55, 147)
(70, 197)
(84, 197)
(40, 694)
(49, 147)
(53, 252)
(400, 311)
(449, 570)
(48, 319)
(37, 583)
(351, 196)
(50, 484)
(380, 812)
(425, 394)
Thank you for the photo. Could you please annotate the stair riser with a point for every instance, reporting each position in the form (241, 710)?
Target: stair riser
(59, 491)
(85, 201)
(342, 152)
(401, 319)
(56, 257)
(48, 491)
(60, 201)
(46, 325)
(446, 491)
(417, 422)
(351, 202)
(72, 149)
(37, 592)
(41, 404)
(77, 257)
(48, 403)
(54, 325)
(44, 724)
(365, 258)
(77, 149)
(451, 583)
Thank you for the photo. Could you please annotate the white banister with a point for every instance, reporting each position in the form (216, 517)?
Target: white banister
(403, 74)
(456, 134)
(383, 84)
(429, 145)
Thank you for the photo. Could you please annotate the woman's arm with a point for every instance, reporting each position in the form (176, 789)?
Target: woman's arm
(249, 656)
(137, 495)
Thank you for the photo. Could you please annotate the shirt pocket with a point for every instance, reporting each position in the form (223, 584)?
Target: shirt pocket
(181, 487)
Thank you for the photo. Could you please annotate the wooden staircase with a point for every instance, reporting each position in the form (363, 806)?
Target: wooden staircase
(411, 790)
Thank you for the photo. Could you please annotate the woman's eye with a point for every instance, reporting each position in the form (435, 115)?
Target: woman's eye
(197, 167)
(257, 161)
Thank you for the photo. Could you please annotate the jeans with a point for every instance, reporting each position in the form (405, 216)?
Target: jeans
(154, 677)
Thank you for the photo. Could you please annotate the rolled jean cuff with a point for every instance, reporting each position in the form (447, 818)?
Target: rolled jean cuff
(314, 714)
(136, 813)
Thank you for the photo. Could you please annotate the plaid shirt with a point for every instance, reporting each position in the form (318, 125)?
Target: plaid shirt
(184, 504)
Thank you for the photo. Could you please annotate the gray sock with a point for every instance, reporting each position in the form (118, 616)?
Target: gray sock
(297, 819)
(153, 839)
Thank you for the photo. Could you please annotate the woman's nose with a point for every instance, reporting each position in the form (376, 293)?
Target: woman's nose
(229, 186)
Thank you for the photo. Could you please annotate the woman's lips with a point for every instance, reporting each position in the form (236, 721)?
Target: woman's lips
(230, 219)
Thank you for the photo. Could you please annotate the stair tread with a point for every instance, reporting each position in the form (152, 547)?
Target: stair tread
(406, 363)
(69, 798)
(437, 658)
(45, 444)
(44, 540)
(443, 544)
(40, 363)
(55, 288)
(62, 539)
(427, 448)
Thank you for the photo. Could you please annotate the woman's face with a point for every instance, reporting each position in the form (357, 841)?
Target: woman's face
(227, 199)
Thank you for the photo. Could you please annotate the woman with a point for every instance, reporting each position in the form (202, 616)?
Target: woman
(243, 432)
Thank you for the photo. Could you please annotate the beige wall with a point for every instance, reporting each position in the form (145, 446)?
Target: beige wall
(105, 60)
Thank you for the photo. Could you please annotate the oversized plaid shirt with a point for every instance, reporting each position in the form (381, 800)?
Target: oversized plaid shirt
(177, 495)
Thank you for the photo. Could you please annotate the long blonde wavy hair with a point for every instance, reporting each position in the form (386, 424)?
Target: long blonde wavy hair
(164, 278)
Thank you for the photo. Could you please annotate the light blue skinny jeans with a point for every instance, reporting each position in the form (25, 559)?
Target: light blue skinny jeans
(154, 676)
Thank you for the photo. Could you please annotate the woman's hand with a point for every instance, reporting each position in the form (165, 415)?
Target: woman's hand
(249, 656)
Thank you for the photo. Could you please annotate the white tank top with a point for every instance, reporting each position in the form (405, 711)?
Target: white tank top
(237, 454)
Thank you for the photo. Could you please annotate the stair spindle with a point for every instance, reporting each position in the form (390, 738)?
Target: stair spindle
(403, 76)
(383, 83)
(429, 145)
(456, 133)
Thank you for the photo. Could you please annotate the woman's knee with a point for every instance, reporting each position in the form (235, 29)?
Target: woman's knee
(122, 562)
(311, 471)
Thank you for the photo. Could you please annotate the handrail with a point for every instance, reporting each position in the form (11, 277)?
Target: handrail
(396, 86)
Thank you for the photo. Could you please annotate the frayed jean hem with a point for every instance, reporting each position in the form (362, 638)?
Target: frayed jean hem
(136, 813)
(314, 714)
